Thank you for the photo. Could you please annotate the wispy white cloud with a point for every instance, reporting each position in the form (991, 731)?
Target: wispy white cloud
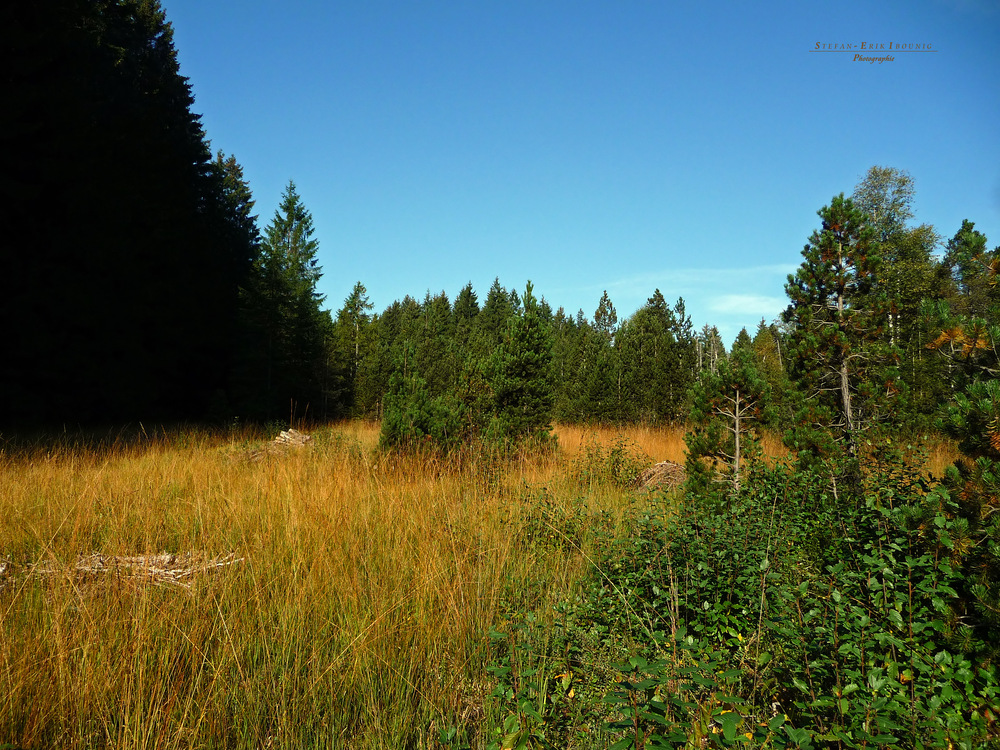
(728, 297)
(701, 284)
(747, 304)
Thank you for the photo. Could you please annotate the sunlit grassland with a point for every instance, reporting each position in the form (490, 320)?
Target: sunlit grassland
(667, 443)
(358, 615)
(659, 443)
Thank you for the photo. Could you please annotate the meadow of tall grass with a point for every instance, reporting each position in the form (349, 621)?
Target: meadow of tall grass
(355, 613)
(356, 616)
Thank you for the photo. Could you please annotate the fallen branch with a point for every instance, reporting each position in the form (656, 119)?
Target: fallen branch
(163, 568)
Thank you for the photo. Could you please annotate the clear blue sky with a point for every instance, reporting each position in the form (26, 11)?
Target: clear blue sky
(624, 145)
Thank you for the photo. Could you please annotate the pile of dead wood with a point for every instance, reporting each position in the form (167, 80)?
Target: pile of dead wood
(666, 474)
(162, 569)
(286, 441)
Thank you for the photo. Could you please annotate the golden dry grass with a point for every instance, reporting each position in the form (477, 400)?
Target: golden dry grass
(659, 443)
(357, 617)
(941, 453)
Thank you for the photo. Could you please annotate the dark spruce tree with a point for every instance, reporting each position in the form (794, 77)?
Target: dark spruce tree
(570, 365)
(285, 308)
(602, 385)
(465, 310)
(241, 224)
(350, 346)
(388, 332)
(743, 341)
(120, 268)
(487, 333)
(520, 379)
(491, 321)
(436, 355)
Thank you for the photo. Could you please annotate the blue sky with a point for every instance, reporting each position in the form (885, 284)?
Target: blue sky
(627, 145)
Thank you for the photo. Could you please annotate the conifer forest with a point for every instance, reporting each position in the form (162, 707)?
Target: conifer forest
(465, 548)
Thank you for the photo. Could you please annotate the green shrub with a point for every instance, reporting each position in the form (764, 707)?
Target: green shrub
(794, 615)
(412, 418)
(619, 464)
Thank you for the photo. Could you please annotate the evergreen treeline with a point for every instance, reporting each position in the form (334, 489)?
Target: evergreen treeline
(458, 352)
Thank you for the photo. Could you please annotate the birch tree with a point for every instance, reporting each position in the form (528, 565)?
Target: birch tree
(727, 404)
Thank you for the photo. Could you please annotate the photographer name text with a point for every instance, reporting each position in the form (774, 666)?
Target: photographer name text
(873, 52)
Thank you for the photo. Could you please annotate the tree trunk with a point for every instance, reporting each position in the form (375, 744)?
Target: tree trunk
(845, 381)
(736, 452)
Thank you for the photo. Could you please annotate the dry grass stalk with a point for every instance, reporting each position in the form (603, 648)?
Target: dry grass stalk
(659, 443)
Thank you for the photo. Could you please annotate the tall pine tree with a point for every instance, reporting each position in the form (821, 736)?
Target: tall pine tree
(286, 307)
(119, 303)
(837, 349)
(520, 378)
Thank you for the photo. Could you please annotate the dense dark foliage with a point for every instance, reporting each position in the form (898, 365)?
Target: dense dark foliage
(122, 252)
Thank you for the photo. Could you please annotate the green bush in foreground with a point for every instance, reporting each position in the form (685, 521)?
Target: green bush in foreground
(790, 617)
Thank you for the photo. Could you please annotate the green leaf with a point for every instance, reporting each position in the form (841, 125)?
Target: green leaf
(736, 700)
(527, 708)
(654, 717)
(730, 723)
(637, 662)
(511, 741)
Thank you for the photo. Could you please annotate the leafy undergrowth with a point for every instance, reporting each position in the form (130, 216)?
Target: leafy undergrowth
(788, 616)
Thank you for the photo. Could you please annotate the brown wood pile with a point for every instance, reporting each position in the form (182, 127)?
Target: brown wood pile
(162, 568)
(287, 440)
(666, 474)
